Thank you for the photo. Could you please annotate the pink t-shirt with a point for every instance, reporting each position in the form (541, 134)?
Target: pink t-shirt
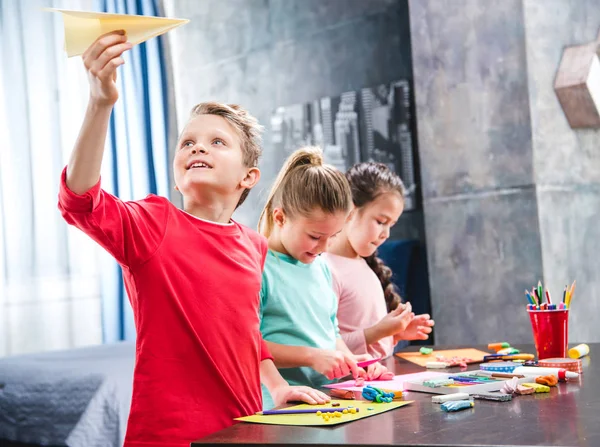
(361, 304)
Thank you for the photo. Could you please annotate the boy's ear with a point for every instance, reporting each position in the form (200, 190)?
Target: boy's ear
(251, 179)
(278, 217)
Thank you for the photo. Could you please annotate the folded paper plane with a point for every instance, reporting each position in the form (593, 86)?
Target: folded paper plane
(83, 28)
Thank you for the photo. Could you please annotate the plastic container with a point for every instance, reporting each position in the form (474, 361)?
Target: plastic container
(550, 332)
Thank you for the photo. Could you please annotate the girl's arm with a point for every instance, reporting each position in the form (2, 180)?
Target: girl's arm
(285, 356)
(331, 363)
(394, 322)
(282, 392)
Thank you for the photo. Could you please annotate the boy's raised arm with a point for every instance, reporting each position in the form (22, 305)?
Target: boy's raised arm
(101, 60)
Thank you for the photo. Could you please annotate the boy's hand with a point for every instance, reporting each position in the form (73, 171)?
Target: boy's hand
(101, 60)
(335, 364)
(418, 329)
(287, 393)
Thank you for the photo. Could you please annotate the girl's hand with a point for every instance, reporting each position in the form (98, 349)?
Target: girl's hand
(287, 393)
(418, 329)
(377, 371)
(335, 364)
(396, 321)
(101, 60)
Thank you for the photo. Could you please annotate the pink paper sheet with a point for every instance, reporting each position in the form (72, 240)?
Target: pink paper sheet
(397, 383)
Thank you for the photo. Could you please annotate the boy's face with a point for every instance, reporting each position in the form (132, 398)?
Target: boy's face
(209, 160)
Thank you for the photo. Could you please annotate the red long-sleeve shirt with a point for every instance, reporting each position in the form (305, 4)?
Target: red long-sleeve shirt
(194, 288)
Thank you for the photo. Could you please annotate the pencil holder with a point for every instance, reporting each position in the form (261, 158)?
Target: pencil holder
(550, 332)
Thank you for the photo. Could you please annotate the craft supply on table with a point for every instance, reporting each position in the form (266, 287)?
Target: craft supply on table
(561, 373)
(549, 321)
(537, 387)
(464, 382)
(453, 357)
(498, 375)
(574, 365)
(395, 384)
(314, 419)
(437, 365)
(536, 298)
(498, 397)
(523, 390)
(511, 357)
(425, 351)
(579, 351)
(549, 380)
(342, 394)
(366, 363)
(497, 346)
(359, 382)
(378, 395)
(436, 383)
(501, 367)
(457, 405)
(302, 411)
(449, 397)
(508, 351)
(514, 387)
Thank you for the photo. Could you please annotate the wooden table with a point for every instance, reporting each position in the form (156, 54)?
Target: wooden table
(568, 416)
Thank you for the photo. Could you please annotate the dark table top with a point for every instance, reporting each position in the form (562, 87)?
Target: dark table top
(567, 416)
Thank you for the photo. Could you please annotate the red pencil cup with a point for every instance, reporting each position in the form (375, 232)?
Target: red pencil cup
(550, 332)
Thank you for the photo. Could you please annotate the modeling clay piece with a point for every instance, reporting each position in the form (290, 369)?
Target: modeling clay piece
(457, 405)
(360, 381)
(510, 386)
(425, 351)
(498, 397)
(376, 395)
(549, 380)
(523, 390)
(537, 387)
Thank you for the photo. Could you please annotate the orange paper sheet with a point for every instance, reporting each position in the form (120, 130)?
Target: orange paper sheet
(475, 355)
(314, 420)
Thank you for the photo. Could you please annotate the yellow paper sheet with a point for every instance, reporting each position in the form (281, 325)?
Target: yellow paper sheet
(83, 28)
(314, 420)
(416, 357)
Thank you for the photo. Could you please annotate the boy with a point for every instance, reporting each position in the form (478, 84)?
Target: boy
(193, 277)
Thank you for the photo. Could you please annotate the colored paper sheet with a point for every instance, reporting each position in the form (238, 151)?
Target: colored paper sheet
(475, 355)
(83, 28)
(396, 384)
(314, 420)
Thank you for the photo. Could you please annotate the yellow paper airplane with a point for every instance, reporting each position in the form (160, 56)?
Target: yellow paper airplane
(83, 28)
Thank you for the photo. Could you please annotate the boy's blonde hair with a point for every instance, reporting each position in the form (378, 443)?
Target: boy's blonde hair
(303, 184)
(246, 125)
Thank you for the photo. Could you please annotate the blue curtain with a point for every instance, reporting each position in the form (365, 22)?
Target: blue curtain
(136, 161)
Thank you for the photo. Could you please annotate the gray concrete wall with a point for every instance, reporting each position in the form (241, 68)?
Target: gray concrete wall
(268, 53)
(510, 191)
(566, 161)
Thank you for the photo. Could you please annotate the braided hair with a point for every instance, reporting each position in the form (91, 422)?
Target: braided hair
(367, 182)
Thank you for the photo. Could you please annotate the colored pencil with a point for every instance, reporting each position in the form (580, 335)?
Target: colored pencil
(303, 411)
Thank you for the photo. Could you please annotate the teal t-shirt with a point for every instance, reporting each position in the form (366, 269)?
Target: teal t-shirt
(298, 308)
